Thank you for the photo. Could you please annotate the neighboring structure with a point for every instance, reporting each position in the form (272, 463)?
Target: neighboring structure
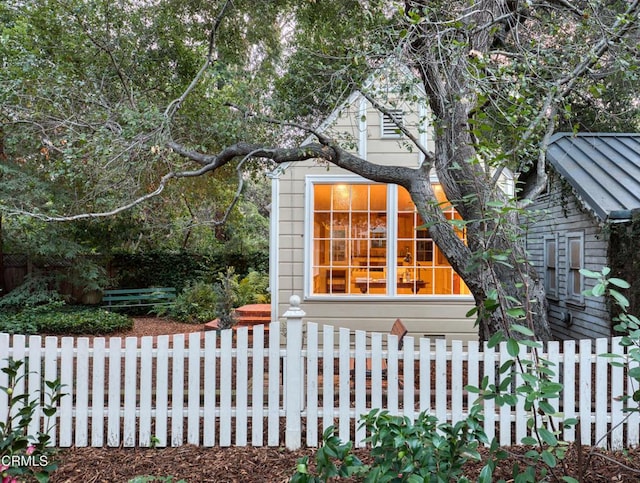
(590, 218)
(355, 250)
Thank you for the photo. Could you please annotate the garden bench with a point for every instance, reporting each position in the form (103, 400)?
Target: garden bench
(138, 297)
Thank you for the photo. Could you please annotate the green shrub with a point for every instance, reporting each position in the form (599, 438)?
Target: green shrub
(24, 456)
(57, 318)
(201, 301)
(227, 298)
(402, 450)
(194, 305)
(254, 289)
(34, 291)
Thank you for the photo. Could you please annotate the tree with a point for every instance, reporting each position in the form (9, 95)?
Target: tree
(499, 75)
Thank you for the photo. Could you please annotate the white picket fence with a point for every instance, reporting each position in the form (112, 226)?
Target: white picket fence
(266, 388)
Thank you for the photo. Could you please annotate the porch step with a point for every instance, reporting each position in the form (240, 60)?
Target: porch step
(248, 316)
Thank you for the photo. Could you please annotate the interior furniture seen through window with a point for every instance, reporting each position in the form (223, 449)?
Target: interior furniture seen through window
(354, 239)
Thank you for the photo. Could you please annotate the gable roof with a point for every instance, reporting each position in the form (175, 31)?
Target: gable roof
(603, 168)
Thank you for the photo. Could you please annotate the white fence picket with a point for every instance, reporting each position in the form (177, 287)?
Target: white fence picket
(257, 388)
(66, 403)
(312, 384)
(242, 386)
(441, 387)
(162, 391)
(328, 370)
(392, 374)
(344, 389)
(35, 385)
(82, 392)
(224, 389)
(601, 390)
(376, 370)
(633, 422)
(18, 355)
(505, 410)
(408, 379)
(456, 381)
(177, 390)
(209, 390)
(360, 359)
(226, 386)
(473, 371)
(553, 356)
(489, 371)
(97, 392)
(193, 392)
(130, 392)
(146, 391)
(569, 384)
(114, 393)
(425, 375)
(617, 391)
(273, 398)
(51, 374)
(584, 396)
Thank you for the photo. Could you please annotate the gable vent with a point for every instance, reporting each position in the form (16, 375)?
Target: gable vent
(389, 128)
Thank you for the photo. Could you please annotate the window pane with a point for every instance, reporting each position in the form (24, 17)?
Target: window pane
(360, 197)
(575, 249)
(417, 253)
(349, 239)
(551, 253)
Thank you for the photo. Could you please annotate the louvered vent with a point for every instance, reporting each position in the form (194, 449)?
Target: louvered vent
(389, 128)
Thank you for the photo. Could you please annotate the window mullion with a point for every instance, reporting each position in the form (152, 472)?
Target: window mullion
(392, 238)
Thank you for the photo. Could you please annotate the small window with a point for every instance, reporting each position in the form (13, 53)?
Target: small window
(390, 128)
(575, 258)
(551, 265)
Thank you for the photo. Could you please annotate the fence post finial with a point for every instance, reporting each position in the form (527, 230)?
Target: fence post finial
(293, 375)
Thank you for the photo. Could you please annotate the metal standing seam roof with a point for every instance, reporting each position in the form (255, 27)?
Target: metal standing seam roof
(603, 168)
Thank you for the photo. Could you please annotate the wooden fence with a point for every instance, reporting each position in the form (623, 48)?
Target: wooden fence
(286, 384)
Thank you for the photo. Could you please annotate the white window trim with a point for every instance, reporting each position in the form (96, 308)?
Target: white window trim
(571, 298)
(392, 220)
(553, 238)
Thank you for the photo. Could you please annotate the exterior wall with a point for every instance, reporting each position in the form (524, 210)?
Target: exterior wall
(435, 316)
(564, 214)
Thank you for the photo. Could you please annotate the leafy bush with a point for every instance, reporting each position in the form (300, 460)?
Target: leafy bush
(402, 450)
(201, 301)
(57, 318)
(227, 298)
(194, 305)
(254, 289)
(23, 455)
(34, 291)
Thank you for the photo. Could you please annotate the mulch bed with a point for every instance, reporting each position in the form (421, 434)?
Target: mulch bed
(273, 465)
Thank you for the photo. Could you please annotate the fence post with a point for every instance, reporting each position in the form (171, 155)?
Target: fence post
(293, 374)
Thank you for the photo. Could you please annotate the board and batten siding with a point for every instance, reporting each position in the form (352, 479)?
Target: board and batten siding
(436, 317)
(562, 214)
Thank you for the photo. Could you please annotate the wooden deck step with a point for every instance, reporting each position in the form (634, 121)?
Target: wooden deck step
(248, 316)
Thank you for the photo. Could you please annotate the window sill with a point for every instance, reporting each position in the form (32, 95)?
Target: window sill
(575, 304)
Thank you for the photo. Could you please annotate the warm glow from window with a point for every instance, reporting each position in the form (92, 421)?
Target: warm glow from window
(352, 240)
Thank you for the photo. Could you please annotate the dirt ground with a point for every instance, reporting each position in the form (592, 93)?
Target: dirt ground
(272, 465)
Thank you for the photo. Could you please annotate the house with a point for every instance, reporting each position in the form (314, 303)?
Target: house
(354, 250)
(589, 218)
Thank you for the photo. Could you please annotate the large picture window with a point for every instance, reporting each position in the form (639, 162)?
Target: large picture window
(360, 249)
